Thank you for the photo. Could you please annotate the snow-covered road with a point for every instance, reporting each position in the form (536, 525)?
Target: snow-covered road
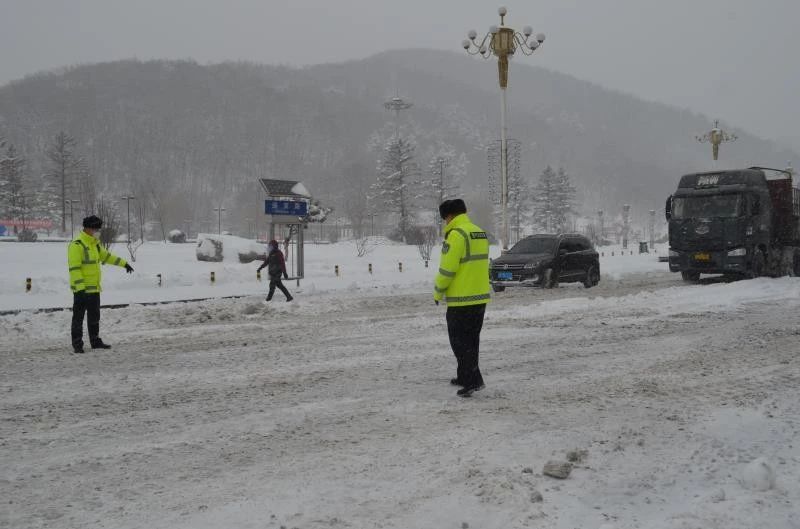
(337, 412)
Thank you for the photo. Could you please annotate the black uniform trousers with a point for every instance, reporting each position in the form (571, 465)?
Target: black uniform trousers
(276, 282)
(464, 326)
(85, 305)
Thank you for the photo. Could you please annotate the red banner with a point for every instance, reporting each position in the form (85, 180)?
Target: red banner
(34, 224)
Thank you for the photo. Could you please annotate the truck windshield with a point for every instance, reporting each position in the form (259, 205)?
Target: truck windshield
(726, 206)
(534, 245)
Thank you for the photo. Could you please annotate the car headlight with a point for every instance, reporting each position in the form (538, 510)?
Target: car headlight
(738, 252)
(673, 253)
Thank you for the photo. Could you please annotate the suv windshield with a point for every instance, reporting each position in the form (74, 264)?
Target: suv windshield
(534, 245)
(707, 206)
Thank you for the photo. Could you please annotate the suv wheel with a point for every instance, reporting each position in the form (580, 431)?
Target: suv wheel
(592, 277)
(550, 279)
(498, 288)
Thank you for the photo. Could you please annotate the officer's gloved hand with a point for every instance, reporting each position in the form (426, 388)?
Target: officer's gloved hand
(286, 276)
(128, 268)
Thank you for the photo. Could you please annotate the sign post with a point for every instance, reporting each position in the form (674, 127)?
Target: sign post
(286, 208)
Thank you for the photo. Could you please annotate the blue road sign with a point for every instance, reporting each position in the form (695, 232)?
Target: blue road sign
(286, 207)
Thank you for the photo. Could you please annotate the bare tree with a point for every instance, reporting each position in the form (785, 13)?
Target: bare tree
(65, 164)
(107, 210)
(429, 236)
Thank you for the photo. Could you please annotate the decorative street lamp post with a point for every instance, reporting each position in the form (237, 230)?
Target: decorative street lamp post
(503, 42)
(716, 137)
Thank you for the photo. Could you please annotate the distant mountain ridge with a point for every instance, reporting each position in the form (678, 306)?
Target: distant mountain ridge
(208, 131)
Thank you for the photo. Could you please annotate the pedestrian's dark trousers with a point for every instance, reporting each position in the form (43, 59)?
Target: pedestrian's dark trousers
(464, 326)
(89, 305)
(273, 283)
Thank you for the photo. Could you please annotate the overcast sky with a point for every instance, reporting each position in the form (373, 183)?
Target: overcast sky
(732, 59)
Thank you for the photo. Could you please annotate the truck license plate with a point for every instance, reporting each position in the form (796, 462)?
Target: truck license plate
(702, 257)
(505, 276)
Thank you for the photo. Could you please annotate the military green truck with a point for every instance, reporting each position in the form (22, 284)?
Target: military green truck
(735, 222)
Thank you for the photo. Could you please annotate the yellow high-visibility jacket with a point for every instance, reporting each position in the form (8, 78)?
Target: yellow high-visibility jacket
(463, 277)
(85, 254)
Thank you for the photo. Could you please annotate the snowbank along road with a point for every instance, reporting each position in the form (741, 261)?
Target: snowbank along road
(337, 412)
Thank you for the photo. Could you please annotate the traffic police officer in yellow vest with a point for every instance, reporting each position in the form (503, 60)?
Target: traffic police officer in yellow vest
(84, 257)
(463, 282)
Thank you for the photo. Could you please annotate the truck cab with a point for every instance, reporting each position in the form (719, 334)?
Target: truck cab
(730, 222)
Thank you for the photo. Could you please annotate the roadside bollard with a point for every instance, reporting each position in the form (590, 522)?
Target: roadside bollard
(213, 278)
(370, 268)
(336, 269)
(159, 279)
(400, 266)
(258, 275)
(28, 284)
(612, 254)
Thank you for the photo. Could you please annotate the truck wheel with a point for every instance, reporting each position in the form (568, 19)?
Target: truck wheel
(592, 277)
(691, 277)
(550, 279)
(757, 266)
(498, 288)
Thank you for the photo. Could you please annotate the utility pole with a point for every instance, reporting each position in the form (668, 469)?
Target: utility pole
(128, 200)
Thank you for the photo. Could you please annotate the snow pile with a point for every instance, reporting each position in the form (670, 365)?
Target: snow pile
(216, 248)
(758, 475)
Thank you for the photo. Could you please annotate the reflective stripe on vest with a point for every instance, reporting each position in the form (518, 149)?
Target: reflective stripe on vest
(467, 250)
(465, 299)
(86, 259)
(446, 273)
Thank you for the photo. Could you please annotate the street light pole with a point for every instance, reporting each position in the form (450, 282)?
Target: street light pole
(503, 42)
(219, 211)
(188, 223)
(128, 200)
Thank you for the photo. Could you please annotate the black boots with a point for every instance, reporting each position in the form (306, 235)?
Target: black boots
(100, 345)
(467, 391)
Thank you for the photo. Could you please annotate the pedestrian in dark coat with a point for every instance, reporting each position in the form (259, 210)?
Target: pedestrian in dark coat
(276, 267)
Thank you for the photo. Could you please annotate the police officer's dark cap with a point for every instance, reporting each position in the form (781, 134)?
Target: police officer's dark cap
(455, 206)
(92, 222)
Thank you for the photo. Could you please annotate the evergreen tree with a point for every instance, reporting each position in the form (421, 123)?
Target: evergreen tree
(564, 200)
(553, 200)
(15, 196)
(396, 173)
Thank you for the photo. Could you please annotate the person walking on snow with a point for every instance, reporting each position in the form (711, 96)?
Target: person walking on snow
(276, 267)
(463, 282)
(85, 254)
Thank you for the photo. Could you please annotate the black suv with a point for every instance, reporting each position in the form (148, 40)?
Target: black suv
(545, 261)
